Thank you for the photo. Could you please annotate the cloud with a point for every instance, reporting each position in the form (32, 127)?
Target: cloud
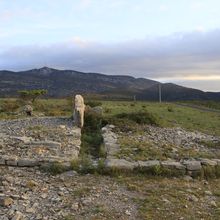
(163, 8)
(176, 56)
(85, 3)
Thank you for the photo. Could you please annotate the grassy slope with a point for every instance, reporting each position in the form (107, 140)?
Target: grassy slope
(207, 104)
(186, 117)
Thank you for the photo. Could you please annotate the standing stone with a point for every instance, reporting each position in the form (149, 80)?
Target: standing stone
(79, 109)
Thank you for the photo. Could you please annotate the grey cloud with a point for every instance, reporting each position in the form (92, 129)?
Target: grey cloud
(171, 56)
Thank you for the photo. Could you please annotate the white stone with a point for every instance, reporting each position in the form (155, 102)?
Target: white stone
(79, 109)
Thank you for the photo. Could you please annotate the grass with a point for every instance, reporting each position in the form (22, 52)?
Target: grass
(167, 114)
(10, 107)
(165, 198)
(134, 149)
(211, 144)
(207, 104)
(186, 117)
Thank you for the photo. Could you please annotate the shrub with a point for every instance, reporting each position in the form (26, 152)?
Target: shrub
(31, 95)
(54, 168)
(93, 103)
(85, 165)
(92, 121)
(140, 117)
(170, 109)
(9, 106)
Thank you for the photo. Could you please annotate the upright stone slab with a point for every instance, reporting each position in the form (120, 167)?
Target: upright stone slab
(79, 109)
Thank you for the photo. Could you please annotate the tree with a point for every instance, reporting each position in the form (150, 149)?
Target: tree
(32, 95)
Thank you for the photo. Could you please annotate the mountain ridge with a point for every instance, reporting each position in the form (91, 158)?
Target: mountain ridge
(62, 83)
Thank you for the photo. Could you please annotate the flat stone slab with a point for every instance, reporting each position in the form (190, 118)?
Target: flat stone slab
(52, 144)
(27, 163)
(120, 164)
(173, 165)
(148, 164)
(208, 162)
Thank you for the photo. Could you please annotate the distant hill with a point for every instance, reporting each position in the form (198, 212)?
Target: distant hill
(62, 83)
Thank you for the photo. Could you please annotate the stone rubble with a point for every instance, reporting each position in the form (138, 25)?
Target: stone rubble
(28, 193)
(33, 141)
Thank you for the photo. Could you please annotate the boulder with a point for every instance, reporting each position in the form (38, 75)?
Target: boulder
(98, 110)
(28, 110)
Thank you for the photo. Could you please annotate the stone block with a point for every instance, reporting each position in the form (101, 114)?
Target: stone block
(148, 164)
(208, 162)
(173, 165)
(120, 164)
(27, 163)
(193, 165)
(11, 162)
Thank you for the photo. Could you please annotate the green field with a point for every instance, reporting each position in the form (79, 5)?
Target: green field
(168, 114)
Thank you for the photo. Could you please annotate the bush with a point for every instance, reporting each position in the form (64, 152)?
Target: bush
(83, 165)
(91, 134)
(54, 168)
(170, 109)
(92, 121)
(93, 103)
(9, 106)
(140, 117)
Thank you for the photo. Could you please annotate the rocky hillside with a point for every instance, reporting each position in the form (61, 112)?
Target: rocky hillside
(61, 83)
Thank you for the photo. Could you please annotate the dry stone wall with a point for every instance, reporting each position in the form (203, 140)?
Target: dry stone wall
(190, 167)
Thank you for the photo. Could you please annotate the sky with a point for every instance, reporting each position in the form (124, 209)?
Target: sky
(167, 40)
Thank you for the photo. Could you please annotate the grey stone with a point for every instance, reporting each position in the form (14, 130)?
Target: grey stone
(28, 109)
(148, 164)
(193, 198)
(2, 161)
(193, 165)
(188, 178)
(98, 110)
(208, 162)
(27, 163)
(11, 162)
(18, 216)
(6, 201)
(173, 165)
(23, 139)
(120, 164)
(52, 144)
(217, 161)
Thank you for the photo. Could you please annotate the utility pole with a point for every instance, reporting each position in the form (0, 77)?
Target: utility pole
(134, 98)
(159, 87)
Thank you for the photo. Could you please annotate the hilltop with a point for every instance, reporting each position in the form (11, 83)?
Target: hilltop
(62, 83)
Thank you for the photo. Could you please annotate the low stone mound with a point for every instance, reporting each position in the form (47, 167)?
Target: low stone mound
(35, 141)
